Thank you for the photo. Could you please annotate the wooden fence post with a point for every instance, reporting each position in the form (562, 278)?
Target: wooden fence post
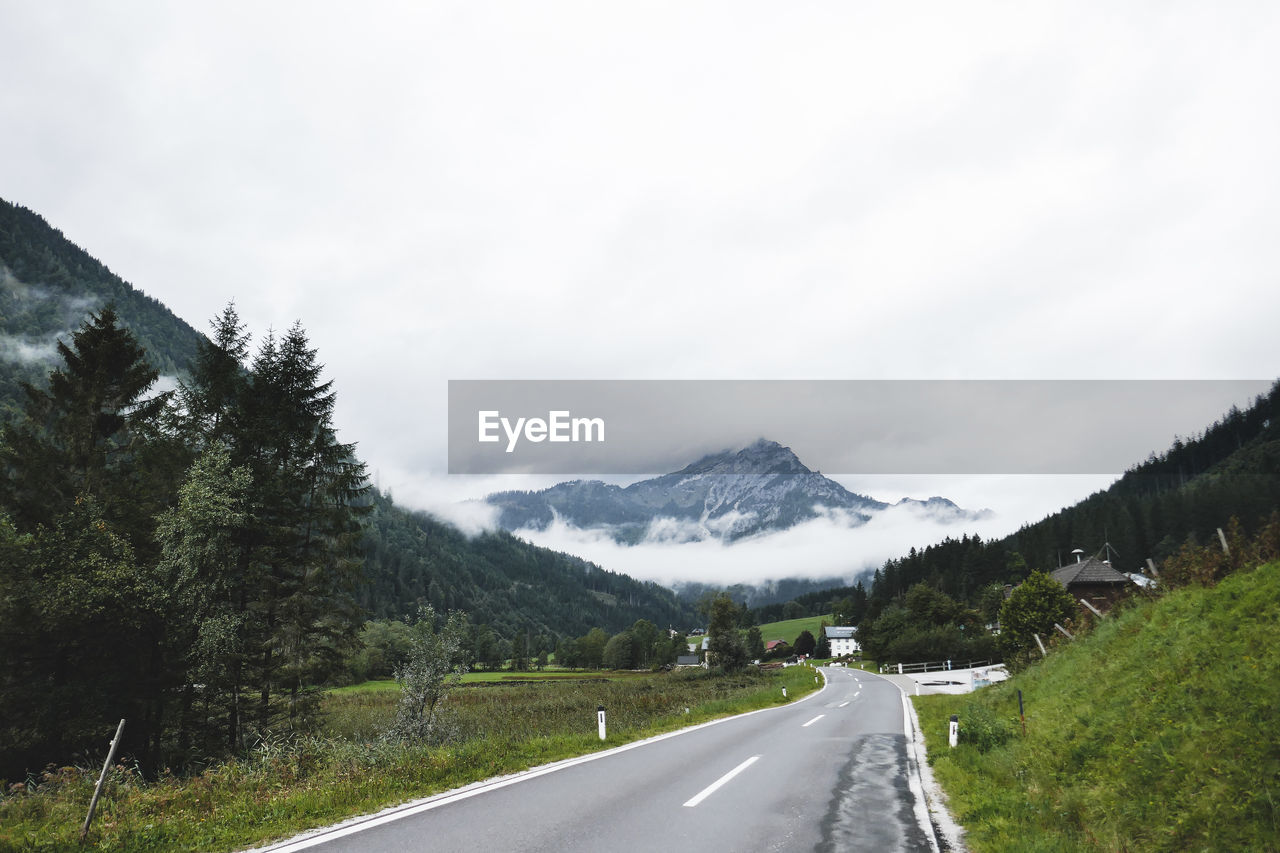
(97, 791)
(1096, 611)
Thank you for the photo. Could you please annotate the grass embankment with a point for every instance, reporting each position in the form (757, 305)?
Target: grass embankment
(1156, 732)
(286, 787)
(789, 629)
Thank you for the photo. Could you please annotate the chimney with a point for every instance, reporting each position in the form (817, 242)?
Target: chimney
(1078, 552)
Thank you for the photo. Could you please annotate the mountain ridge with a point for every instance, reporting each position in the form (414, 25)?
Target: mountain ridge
(729, 495)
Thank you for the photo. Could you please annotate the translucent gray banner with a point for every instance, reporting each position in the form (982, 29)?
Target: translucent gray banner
(628, 427)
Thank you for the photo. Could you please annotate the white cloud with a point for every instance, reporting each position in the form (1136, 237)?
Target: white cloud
(824, 547)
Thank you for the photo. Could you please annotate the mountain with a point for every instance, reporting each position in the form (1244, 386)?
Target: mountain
(49, 286)
(728, 496)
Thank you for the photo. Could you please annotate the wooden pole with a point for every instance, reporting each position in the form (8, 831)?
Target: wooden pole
(97, 791)
(1151, 564)
(1096, 611)
(1064, 631)
(1222, 537)
(1043, 653)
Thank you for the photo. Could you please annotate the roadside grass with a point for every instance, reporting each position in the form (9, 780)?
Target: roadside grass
(286, 786)
(789, 629)
(1153, 733)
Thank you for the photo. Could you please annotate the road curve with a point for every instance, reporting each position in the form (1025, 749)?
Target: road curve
(827, 773)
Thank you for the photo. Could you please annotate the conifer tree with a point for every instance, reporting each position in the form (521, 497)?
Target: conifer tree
(80, 436)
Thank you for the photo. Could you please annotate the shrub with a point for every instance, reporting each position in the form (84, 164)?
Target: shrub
(982, 728)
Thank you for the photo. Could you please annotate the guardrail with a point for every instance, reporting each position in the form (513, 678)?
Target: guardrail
(931, 666)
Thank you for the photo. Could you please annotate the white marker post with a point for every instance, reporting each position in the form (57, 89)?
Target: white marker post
(784, 693)
(955, 730)
(600, 719)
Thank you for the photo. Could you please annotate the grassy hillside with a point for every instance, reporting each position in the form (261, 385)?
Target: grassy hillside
(789, 629)
(1155, 732)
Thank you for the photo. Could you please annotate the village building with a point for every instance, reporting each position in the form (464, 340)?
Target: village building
(1094, 581)
(843, 640)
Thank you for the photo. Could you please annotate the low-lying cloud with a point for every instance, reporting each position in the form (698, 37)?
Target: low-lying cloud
(28, 350)
(21, 302)
(830, 545)
(823, 547)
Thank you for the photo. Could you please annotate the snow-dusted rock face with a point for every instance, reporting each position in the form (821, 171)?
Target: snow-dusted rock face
(728, 495)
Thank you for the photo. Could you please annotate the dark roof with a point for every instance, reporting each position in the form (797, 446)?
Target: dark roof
(1088, 571)
(687, 660)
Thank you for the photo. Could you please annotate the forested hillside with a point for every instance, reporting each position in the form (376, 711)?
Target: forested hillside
(1230, 470)
(929, 603)
(47, 287)
(501, 581)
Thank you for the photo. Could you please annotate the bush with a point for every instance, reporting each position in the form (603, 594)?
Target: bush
(982, 729)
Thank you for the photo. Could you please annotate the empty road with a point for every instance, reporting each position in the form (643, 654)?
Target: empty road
(826, 773)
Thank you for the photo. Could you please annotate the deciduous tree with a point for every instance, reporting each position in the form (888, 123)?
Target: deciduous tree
(1031, 609)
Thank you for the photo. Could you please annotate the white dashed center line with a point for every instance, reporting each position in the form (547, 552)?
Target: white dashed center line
(716, 785)
(814, 720)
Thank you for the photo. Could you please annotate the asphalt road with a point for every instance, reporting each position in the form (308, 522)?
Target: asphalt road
(826, 773)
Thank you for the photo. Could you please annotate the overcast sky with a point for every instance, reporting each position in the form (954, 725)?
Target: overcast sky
(671, 191)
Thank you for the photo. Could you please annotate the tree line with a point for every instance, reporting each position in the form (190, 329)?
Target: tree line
(186, 560)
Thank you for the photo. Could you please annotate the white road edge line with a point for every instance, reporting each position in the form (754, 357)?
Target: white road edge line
(719, 783)
(913, 776)
(353, 825)
(814, 720)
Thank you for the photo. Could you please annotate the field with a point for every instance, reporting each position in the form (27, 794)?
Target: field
(1153, 733)
(289, 784)
(789, 629)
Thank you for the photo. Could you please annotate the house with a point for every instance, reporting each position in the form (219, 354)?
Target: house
(1094, 581)
(688, 660)
(843, 640)
(773, 644)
